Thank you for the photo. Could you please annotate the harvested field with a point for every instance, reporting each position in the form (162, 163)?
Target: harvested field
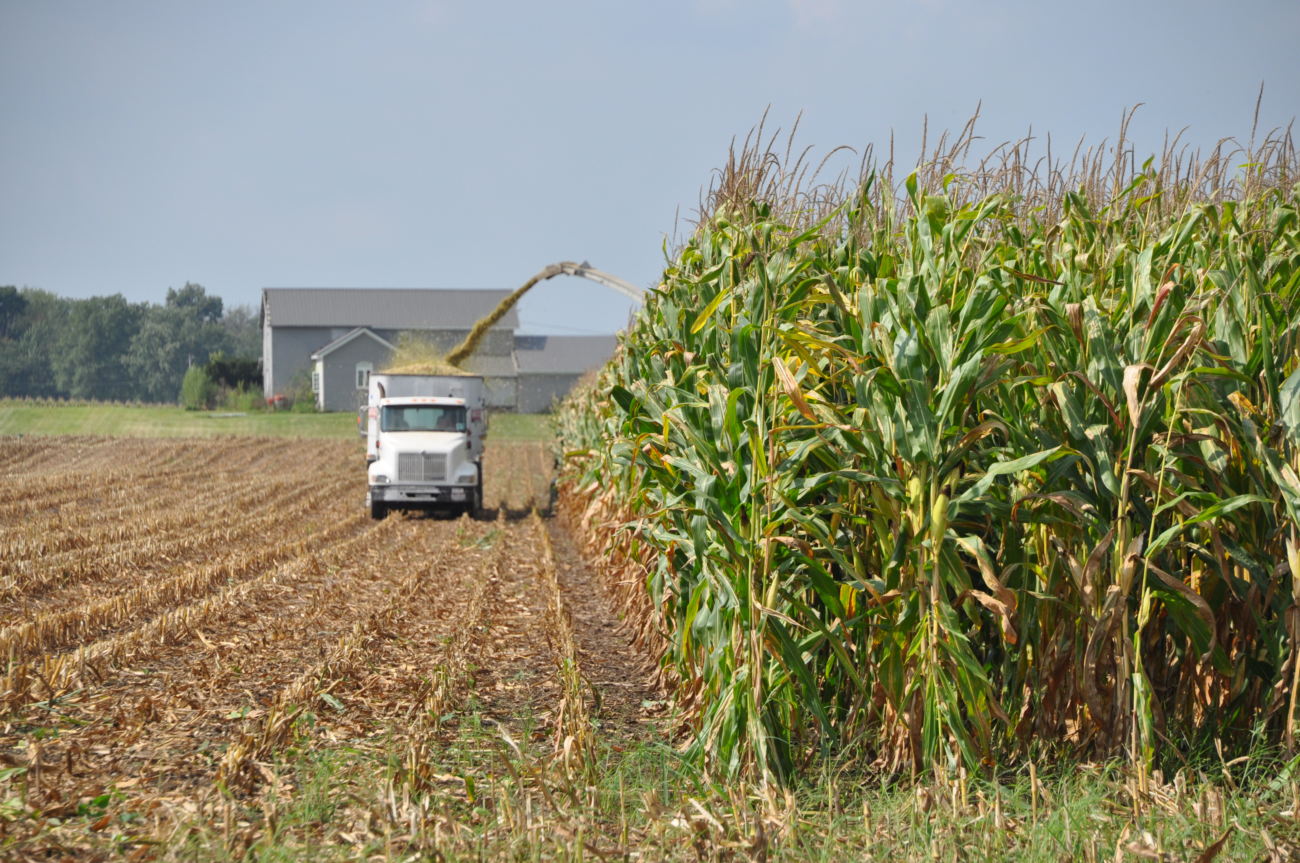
(185, 624)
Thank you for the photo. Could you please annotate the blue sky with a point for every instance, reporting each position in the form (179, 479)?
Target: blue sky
(441, 143)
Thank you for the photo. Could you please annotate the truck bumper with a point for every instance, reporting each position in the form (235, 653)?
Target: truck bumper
(396, 495)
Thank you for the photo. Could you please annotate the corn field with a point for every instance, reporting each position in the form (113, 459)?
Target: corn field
(984, 465)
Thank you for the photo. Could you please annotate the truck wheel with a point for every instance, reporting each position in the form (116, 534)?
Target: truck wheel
(378, 510)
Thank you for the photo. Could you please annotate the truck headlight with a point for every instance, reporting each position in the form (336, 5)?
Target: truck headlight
(380, 479)
(458, 494)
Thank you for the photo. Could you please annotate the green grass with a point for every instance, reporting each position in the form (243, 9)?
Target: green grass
(521, 426)
(21, 417)
(126, 420)
(485, 798)
(476, 791)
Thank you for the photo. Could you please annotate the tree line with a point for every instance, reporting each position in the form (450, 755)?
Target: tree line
(110, 349)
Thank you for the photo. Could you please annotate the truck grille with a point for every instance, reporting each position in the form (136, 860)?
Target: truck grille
(421, 467)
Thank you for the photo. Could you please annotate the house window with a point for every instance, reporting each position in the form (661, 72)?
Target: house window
(363, 374)
(315, 380)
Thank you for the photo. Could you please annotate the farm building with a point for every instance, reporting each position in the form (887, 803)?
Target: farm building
(549, 365)
(336, 336)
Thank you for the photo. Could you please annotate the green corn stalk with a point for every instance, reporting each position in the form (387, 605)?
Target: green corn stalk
(933, 481)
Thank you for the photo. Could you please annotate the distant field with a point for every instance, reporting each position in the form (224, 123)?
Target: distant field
(19, 417)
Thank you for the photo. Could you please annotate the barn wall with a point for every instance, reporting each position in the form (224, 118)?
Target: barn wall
(291, 350)
(500, 392)
(340, 366)
(268, 356)
(538, 392)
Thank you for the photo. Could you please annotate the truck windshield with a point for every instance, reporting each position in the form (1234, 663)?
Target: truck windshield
(422, 418)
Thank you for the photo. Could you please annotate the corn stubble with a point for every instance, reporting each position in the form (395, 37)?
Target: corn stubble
(159, 683)
(949, 473)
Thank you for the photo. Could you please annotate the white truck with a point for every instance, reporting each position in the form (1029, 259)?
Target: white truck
(424, 442)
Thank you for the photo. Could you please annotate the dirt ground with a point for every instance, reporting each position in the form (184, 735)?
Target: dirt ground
(183, 621)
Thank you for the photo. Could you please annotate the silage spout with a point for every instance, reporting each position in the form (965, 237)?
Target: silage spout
(462, 351)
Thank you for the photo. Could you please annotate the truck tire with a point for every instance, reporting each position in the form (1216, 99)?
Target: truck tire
(378, 510)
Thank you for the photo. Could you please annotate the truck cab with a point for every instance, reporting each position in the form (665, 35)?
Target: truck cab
(424, 443)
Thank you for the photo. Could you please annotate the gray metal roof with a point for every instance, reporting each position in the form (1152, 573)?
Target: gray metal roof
(342, 340)
(542, 355)
(383, 308)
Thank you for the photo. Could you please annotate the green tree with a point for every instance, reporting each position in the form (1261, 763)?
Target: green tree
(90, 352)
(244, 329)
(234, 372)
(25, 356)
(12, 306)
(107, 348)
(184, 332)
(197, 389)
(194, 298)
